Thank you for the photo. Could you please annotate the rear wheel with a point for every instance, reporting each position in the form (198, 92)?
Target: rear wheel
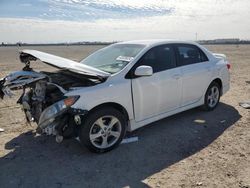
(103, 130)
(212, 96)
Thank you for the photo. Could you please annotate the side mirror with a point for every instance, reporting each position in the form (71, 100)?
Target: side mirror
(144, 70)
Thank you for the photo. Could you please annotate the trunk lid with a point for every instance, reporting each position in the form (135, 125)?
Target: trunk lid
(224, 58)
(220, 56)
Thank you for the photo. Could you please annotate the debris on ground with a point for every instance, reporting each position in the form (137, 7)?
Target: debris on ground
(124, 141)
(245, 104)
(129, 140)
(200, 121)
(1, 130)
(78, 139)
(199, 183)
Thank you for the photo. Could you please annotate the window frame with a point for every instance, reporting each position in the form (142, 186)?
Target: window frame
(131, 72)
(177, 53)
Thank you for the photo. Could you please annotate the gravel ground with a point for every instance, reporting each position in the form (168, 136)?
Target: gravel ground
(190, 149)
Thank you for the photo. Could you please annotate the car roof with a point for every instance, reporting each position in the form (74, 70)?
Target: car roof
(153, 42)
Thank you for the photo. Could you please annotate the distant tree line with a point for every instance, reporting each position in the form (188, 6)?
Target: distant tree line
(224, 41)
(57, 44)
(215, 41)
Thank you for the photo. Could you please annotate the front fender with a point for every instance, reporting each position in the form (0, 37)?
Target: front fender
(119, 93)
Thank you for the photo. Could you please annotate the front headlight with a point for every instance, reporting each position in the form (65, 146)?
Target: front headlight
(49, 114)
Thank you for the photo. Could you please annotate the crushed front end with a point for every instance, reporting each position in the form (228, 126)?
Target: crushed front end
(44, 100)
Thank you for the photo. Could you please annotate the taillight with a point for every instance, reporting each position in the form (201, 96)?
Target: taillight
(228, 66)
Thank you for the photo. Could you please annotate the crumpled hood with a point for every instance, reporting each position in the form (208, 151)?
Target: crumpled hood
(61, 63)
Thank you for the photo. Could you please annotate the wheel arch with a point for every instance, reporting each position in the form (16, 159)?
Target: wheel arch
(116, 106)
(218, 81)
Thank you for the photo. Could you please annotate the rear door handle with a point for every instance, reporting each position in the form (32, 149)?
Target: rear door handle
(177, 76)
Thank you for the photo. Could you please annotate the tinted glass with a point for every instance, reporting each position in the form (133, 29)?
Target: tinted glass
(190, 54)
(159, 58)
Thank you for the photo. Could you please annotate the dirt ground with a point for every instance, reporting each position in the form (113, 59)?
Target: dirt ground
(179, 151)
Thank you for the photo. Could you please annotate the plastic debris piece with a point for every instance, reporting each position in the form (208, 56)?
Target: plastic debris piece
(223, 121)
(199, 183)
(199, 121)
(1, 130)
(78, 139)
(245, 104)
(130, 140)
(59, 138)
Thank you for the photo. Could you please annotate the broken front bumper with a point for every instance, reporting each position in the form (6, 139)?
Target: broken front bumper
(56, 109)
(63, 125)
(52, 120)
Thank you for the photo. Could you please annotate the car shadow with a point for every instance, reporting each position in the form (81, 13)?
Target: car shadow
(38, 161)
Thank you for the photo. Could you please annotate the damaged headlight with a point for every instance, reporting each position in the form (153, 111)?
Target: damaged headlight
(50, 113)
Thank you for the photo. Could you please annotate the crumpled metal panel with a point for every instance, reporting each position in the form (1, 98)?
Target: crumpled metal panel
(17, 80)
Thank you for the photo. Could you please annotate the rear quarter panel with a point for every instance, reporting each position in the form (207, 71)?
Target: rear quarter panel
(223, 74)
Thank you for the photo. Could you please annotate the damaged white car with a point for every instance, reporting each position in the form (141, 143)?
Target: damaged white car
(116, 89)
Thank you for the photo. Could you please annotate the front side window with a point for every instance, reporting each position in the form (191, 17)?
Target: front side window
(160, 58)
(190, 54)
(113, 58)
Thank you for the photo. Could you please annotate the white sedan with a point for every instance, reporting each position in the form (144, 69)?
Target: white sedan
(119, 88)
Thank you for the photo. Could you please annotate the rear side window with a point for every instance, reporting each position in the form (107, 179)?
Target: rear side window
(190, 54)
(160, 58)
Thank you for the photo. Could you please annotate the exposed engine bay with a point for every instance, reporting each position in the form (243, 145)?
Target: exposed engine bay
(43, 98)
(41, 90)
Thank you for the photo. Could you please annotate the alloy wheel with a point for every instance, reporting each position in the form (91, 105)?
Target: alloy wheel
(213, 96)
(105, 132)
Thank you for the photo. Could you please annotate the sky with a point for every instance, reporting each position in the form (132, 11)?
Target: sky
(51, 21)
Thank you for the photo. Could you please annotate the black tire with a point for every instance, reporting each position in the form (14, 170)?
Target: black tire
(207, 105)
(89, 122)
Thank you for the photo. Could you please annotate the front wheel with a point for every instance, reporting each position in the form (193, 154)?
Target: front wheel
(103, 130)
(212, 96)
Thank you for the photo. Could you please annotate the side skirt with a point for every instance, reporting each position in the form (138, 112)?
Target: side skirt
(133, 125)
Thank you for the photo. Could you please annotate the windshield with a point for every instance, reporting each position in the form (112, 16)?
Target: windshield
(113, 58)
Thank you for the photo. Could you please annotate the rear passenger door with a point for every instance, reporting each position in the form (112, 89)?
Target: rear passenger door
(161, 92)
(196, 72)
